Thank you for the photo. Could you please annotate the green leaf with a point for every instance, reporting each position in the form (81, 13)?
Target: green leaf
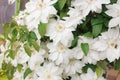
(14, 34)
(63, 13)
(36, 45)
(6, 30)
(3, 77)
(85, 48)
(9, 69)
(23, 35)
(88, 34)
(60, 4)
(117, 64)
(32, 36)
(102, 65)
(27, 49)
(19, 67)
(75, 42)
(68, 2)
(85, 68)
(17, 48)
(98, 71)
(27, 72)
(113, 1)
(42, 29)
(97, 21)
(96, 30)
(97, 24)
(12, 54)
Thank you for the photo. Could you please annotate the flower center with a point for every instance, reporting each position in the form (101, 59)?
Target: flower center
(48, 76)
(41, 4)
(113, 44)
(72, 61)
(60, 27)
(36, 64)
(61, 48)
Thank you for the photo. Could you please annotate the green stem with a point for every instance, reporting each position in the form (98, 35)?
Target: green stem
(17, 6)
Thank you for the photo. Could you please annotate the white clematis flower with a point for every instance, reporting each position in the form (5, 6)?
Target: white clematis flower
(36, 60)
(49, 72)
(21, 57)
(77, 52)
(18, 75)
(32, 76)
(74, 66)
(93, 56)
(39, 11)
(114, 11)
(75, 17)
(75, 77)
(109, 44)
(60, 31)
(59, 53)
(90, 5)
(20, 18)
(90, 75)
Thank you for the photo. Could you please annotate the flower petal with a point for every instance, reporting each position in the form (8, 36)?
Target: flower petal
(114, 22)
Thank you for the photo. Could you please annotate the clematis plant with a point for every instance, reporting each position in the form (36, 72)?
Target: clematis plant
(61, 40)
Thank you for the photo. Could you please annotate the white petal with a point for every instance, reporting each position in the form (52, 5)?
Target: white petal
(100, 45)
(112, 55)
(112, 13)
(53, 56)
(105, 1)
(114, 22)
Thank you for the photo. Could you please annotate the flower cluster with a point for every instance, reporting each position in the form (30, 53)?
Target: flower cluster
(62, 40)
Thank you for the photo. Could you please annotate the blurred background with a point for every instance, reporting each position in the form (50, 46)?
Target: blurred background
(7, 10)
